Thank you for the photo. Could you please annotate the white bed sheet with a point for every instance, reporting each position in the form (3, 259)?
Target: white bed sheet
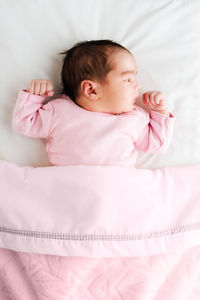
(163, 35)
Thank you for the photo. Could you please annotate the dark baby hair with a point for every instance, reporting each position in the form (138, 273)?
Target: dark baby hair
(87, 60)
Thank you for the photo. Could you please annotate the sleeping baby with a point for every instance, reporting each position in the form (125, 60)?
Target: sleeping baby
(95, 120)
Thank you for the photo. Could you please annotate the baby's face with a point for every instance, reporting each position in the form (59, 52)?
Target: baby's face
(121, 90)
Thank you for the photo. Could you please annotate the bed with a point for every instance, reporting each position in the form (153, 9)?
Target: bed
(149, 258)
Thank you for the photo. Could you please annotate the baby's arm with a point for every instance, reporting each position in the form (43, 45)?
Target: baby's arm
(157, 127)
(30, 117)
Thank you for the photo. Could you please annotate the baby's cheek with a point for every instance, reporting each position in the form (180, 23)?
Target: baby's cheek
(117, 92)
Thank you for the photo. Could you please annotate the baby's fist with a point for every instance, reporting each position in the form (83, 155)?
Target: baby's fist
(155, 100)
(41, 87)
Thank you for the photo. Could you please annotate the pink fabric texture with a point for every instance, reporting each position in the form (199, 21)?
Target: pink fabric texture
(99, 211)
(27, 276)
(95, 229)
(76, 136)
(90, 269)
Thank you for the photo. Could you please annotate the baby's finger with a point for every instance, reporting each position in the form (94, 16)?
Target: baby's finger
(162, 104)
(37, 87)
(31, 87)
(50, 93)
(43, 88)
(49, 86)
(145, 98)
(157, 98)
(152, 98)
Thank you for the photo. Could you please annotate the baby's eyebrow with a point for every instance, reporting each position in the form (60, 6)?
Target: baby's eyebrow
(128, 72)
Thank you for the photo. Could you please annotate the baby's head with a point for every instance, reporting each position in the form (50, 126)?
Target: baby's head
(100, 75)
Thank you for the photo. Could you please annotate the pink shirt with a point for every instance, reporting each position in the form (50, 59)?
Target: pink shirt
(76, 136)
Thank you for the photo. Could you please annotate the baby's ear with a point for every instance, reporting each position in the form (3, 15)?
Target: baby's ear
(88, 88)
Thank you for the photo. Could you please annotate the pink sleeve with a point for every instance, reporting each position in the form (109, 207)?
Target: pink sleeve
(156, 131)
(30, 117)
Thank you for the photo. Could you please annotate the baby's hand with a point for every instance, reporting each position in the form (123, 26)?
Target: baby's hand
(41, 87)
(155, 100)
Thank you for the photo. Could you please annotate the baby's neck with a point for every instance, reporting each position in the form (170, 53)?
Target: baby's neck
(91, 105)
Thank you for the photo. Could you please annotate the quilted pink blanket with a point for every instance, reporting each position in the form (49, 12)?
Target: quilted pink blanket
(26, 276)
(99, 232)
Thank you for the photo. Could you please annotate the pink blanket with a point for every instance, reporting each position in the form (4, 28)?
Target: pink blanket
(99, 232)
(25, 276)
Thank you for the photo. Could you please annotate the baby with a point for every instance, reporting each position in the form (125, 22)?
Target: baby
(95, 120)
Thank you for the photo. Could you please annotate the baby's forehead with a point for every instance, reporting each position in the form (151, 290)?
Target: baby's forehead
(124, 63)
(123, 70)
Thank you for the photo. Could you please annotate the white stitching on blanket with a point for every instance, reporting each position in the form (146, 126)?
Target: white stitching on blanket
(100, 237)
